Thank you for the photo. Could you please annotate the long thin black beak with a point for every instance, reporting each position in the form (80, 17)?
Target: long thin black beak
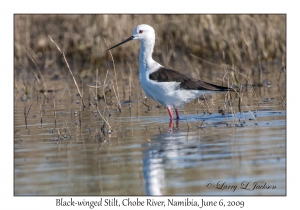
(126, 40)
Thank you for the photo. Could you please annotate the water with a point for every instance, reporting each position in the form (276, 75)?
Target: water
(233, 154)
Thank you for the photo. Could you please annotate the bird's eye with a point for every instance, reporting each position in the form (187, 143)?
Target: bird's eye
(141, 31)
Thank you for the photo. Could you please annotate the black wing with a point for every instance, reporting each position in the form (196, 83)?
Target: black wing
(188, 83)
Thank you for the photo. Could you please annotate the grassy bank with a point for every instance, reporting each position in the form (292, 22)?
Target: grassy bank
(231, 39)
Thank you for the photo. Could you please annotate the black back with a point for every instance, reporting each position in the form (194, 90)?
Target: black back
(188, 83)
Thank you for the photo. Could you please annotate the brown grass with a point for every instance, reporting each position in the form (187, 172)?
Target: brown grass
(231, 39)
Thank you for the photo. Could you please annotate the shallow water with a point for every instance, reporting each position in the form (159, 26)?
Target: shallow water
(207, 154)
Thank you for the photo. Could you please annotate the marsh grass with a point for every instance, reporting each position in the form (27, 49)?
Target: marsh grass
(26, 114)
(80, 94)
(232, 39)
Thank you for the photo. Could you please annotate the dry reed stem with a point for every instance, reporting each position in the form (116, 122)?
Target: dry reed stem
(59, 135)
(201, 123)
(146, 106)
(282, 98)
(28, 111)
(249, 83)
(130, 81)
(250, 112)
(97, 84)
(27, 53)
(69, 69)
(82, 92)
(26, 114)
(232, 111)
(67, 86)
(94, 95)
(104, 87)
(89, 96)
(280, 74)
(118, 105)
(118, 97)
(207, 104)
(41, 112)
(188, 124)
(66, 124)
(226, 72)
(101, 116)
(54, 112)
(260, 71)
(201, 59)
(201, 104)
(247, 107)
(44, 83)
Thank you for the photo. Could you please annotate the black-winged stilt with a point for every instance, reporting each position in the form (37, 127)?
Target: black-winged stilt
(166, 86)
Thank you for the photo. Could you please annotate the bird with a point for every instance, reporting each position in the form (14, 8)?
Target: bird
(166, 86)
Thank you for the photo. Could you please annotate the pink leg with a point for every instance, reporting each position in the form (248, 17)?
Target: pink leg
(171, 126)
(170, 112)
(177, 115)
(171, 119)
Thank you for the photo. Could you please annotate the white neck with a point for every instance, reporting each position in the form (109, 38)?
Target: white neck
(145, 56)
